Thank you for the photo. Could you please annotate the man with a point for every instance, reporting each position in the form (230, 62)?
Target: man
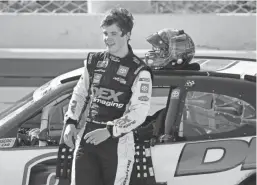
(119, 85)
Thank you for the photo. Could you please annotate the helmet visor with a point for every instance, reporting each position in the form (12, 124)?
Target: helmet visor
(156, 41)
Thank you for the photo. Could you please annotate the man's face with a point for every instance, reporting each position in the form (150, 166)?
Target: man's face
(113, 39)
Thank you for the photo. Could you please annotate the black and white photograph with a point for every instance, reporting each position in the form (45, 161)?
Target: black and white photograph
(150, 92)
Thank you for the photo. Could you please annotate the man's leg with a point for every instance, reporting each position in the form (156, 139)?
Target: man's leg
(117, 158)
(85, 166)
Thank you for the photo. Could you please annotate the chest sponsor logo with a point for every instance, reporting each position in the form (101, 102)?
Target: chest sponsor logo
(200, 158)
(123, 71)
(119, 79)
(115, 59)
(102, 64)
(144, 88)
(143, 98)
(107, 97)
(97, 78)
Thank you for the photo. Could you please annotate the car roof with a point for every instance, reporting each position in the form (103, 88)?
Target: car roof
(214, 64)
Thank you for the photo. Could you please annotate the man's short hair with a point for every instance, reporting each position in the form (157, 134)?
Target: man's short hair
(121, 17)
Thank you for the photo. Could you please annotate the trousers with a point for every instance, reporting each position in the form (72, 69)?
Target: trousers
(108, 163)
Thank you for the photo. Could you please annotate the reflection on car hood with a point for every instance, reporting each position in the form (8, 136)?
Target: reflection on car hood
(228, 66)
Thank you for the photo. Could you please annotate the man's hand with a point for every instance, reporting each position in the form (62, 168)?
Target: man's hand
(70, 133)
(97, 136)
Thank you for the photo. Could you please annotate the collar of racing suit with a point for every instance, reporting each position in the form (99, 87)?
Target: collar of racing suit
(129, 55)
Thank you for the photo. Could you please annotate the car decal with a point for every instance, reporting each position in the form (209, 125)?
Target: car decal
(192, 160)
(33, 162)
(46, 88)
(7, 142)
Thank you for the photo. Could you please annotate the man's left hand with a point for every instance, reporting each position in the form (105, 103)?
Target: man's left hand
(97, 136)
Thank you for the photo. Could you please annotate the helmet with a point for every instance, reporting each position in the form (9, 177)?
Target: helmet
(171, 49)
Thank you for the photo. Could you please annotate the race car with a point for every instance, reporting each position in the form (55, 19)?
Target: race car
(205, 122)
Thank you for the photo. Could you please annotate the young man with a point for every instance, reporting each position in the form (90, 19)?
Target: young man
(119, 85)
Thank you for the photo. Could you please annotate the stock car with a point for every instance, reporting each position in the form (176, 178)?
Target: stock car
(210, 121)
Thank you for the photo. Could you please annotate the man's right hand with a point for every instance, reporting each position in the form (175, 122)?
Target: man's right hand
(70, 135)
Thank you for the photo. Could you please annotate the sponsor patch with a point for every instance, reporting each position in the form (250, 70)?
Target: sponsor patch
(119, 79)
(102, 64)
(144, 88)
(144, 79)
(123, 71)
(128, 171)
(175, 94)
(123, 121)
(115, 59)
(143, 98)
(138, 69)
(135, 59)
(97, 78)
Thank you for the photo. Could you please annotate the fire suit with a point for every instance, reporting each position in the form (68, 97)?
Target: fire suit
(120, 91)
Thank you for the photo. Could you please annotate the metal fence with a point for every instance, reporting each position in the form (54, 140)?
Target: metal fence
(157, 7)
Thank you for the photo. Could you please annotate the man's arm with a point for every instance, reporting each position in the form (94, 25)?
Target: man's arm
(79, 96)
(138, 106)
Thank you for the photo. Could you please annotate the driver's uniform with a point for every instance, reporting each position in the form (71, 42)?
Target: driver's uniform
(120, 93)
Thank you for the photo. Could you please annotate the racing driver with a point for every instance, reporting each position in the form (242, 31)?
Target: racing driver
(119, 86)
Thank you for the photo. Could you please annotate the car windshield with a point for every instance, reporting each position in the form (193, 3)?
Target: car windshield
(23, 101)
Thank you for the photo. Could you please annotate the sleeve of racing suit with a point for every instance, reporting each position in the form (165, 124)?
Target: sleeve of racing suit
(138, 107)
(79, 95)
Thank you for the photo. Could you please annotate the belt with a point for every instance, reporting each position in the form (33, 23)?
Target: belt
(88, 120)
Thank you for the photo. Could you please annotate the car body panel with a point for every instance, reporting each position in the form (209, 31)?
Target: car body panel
(167, 156)
(23, 160)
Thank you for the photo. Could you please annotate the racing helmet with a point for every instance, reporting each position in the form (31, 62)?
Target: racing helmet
(171, 48)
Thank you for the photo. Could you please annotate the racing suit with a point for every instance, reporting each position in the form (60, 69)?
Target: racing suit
(120, 93)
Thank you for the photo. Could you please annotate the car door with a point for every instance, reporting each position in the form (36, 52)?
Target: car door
(212, 121)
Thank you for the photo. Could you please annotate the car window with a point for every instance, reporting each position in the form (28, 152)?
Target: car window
(216, 116)
(28, 130)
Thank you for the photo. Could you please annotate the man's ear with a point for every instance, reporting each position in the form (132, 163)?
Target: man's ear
(128, 35)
